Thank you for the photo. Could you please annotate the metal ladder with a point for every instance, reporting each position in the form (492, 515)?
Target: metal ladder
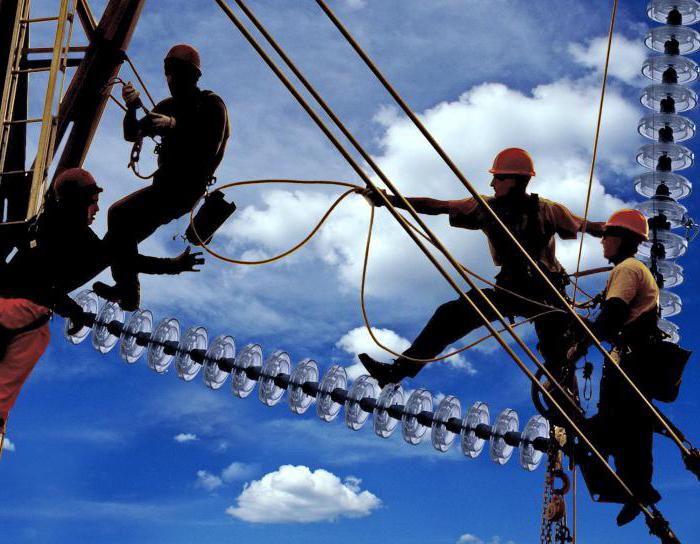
(16, 67)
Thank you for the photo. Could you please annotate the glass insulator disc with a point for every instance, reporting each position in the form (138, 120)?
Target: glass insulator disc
(681, 157)
(365, 387)
(675, 213)
(682, 98)
(195, 338)
(478, 414)
(671, 330)
(140, 324)
(251, 356)
(682, 127)
(686, 69)
(674, 245)
(305, 372)
(384, 424)
(646, 184)
(334, 378)
(167, 333)
(537, 427)
(500, 450)
(441, 436)
(89, 302)
(688, 39)
(658, 10)
(413, 430)
(103, 340)
(670, 303)
(223, 347)
(277, 364)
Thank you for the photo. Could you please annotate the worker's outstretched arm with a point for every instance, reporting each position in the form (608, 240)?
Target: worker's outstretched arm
(427, 206)
(185, 262)
(594, 228)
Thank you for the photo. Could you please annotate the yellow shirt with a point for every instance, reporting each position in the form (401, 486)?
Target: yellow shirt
(632, 282)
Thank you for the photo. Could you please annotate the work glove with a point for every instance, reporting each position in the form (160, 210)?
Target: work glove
(372, 196)
(131, 96)
(158, 124)
(186, 261)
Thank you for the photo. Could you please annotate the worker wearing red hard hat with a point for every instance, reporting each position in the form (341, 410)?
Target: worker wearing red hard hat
(55, 255)
(534, 222)
(193, 127)
(624, 426)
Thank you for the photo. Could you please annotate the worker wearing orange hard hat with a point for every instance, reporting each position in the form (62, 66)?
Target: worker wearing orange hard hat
(534, 222)
(193, 127)
(623, 426)
(58, 253)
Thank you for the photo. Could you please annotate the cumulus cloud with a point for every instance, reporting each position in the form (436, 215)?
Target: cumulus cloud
(208, 481)
(295, 494)
(237, 471)
(626, 56)
(185, 437)
(9, 445)
(468, 538)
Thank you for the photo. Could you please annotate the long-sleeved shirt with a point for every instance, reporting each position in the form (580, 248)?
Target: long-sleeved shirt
(190, 152)
(58, 259)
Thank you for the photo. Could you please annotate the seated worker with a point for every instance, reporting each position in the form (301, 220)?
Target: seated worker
(193, 126)
(624, 427)
(59, 253)
(534, 222)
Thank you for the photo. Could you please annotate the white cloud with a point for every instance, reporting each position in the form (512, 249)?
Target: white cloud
(626, 56)
(9, 445)
(356, 4)
(468, 538)
(237, 471)
(208, 481)
(295, 494)
(185, 437)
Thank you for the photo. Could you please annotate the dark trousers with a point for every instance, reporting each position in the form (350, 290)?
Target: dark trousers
(136, 216)
(455, 319)
(625, 429)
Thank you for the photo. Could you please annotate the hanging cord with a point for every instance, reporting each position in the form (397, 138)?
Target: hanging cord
(390, 207)
(599, 122)
(684, 447)
(649, 513)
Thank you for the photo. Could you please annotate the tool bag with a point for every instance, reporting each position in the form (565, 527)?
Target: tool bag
(213, 213)
(658, 368)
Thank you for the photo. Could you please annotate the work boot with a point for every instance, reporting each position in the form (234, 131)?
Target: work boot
(382, 372)
(128, 298)
(628, 513)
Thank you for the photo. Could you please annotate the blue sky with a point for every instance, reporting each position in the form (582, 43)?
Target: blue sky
(114, 453)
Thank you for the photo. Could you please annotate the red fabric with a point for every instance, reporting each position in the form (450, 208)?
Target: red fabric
(23, 350)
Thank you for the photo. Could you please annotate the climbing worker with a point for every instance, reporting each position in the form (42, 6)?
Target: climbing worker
(623, 426)
(56, 255)
(194, 129)
(533, 221)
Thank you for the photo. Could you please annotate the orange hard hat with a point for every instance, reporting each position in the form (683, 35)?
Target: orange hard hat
(631, 220)
(513, 161)
(74, 183)
(185, 53)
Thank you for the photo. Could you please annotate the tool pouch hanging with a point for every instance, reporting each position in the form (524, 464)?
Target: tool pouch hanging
(213, 213)
(660, 367)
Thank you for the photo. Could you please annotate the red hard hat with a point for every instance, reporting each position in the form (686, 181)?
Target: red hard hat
(513, 161)
(185, 53)
(73, 183)
(631, 220)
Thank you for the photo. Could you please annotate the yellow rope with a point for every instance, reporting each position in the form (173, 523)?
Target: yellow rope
(599, 122)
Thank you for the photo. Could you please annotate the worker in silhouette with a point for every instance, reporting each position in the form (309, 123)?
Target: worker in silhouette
(624, 427)
(194, 129)
(534, 222)
(56, 255)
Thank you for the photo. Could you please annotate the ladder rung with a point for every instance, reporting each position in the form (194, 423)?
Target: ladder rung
(23, 121)
(32, 70)
(36, 50)
(38, 20)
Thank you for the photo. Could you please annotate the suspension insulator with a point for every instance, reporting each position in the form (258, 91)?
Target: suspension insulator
(108, 328)
(671, 69)
(247, 370)
(364, 392)
(661, 157)
(669, 303)
(477, 418)
(676, 12)
(222, 348)
(413, 429)
(327, 407)
(193, 344)
(688, 39)
(664, 98)
(163, 345)
(306, 372)
(441, 436)
(654, 126)
(140, 326)
(648, 184)
(270, 391)
(384, 421)
(89, 302)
